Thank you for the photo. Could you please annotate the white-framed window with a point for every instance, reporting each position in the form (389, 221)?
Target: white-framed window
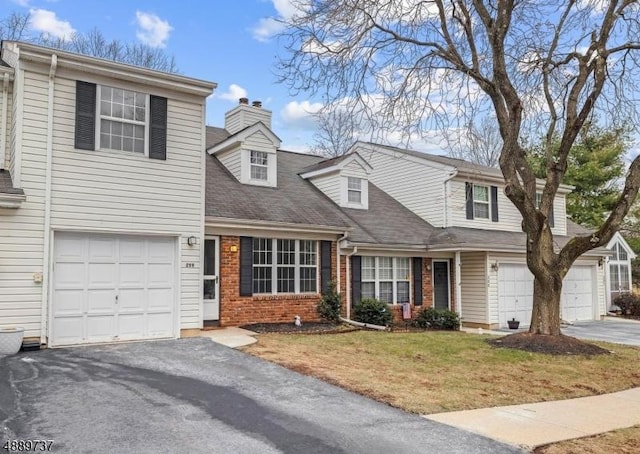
(123, 119)
(285, 266)
(480, 201)
(619, 271)
(259, 165)
(386, 279)
(354, 190)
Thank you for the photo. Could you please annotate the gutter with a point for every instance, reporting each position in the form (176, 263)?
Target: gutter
(447, 194)
(47, 203)
(253, 224)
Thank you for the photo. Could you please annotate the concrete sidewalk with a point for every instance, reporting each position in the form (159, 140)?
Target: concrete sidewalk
(532, 425)
(230, 337)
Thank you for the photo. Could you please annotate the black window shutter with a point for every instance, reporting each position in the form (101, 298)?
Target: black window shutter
(551, 219)
(417, 281)
(325, 265)
(494, 203)
(469, 199)
(356, 279)
(246, 266)
(85, 135)
(158, 128)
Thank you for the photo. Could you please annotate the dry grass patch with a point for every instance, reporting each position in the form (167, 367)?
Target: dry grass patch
(625, 441)
(435, 372)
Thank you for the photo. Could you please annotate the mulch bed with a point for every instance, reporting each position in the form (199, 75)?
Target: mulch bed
(551, 345)
(306, 328)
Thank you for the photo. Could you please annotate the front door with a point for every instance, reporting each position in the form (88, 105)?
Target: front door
(211, 286)
(441, 284)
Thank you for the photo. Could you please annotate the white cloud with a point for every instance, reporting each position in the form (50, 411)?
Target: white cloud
(300, 115)
(45, 21)
(234, 93)
(267, 27)
(23, 3)
(152, 30)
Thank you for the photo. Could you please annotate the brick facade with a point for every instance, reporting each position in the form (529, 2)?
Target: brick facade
(236, 310)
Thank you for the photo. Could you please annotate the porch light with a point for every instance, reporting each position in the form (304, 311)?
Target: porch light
(192, 240)
(495, 266)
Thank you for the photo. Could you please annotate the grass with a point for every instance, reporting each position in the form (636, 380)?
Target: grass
(436, 372)
(625, 441)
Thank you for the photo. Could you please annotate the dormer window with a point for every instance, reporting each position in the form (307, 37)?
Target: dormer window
(480, 201)
(259, 165)
(354, 190)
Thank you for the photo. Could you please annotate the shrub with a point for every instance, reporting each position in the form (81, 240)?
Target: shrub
(329, 305)
(372, 311)
(437, 319)
(629, 304)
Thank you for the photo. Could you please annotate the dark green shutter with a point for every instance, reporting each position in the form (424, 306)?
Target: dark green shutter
(469, 199)
(325, 265)
(417, 281)
(494, 203)
(246, 266)
(158, 128)
(356, 279)
(85, 134)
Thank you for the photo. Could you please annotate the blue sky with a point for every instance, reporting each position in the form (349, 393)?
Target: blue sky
(227, 42)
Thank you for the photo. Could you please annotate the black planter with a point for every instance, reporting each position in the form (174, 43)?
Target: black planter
(513, 324)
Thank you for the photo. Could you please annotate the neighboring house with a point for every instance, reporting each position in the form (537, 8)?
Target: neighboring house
(619, 269)
(101, 196)
(481, 238)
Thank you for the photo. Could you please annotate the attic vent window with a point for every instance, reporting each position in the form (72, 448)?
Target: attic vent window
(259, 161)
(354, 190)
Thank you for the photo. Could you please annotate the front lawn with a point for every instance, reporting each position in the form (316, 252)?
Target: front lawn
(434, 372)
(624, 441)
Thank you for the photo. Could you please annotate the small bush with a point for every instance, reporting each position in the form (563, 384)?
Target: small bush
(629, 304)
(372, 311)
(329, 305)
(437, 319)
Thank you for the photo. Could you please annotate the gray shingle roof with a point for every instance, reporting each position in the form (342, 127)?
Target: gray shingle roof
(215, 136)
(461, 237)
(6, 184)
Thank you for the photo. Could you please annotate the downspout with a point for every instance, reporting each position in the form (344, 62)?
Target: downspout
(3, 121)
(47, 203)
(343, 237)
(446, 197)
(458, 291)
(354, 252)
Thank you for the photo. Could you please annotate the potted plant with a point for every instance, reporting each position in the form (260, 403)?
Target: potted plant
(513, 323)
(10, 340)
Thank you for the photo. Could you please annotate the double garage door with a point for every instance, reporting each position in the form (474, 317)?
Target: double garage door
(110, 288)
(515, 294)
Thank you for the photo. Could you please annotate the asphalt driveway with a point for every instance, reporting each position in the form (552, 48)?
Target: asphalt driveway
(195, 396)
(616, 331)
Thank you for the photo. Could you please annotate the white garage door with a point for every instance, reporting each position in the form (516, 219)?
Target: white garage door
(577, 294)
(110, 288)
(515, 294)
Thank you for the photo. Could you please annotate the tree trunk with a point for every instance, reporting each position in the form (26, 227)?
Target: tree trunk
(545, 318)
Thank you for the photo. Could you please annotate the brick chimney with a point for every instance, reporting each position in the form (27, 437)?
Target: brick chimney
(244, 115)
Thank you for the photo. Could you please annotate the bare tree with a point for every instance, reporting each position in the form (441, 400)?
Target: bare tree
(480, 144)
(93, 43)
(537, 65)
(336, 133)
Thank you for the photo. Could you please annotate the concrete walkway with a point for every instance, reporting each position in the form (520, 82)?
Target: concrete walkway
(230, 337)
(532, 425)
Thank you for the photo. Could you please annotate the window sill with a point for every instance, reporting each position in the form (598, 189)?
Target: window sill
(285, 296)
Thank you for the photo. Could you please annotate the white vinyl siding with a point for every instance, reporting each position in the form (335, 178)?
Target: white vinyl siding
(232, 161)
(473, 287)
(21, 241)
(509, 216)
(418, 185)
(336, 185)
(7, 105)
(329, 185)
(243, 116)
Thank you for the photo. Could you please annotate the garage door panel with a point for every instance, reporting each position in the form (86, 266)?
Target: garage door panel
(69, 302)
(158, 324)
(132, 300)
(106, 285)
